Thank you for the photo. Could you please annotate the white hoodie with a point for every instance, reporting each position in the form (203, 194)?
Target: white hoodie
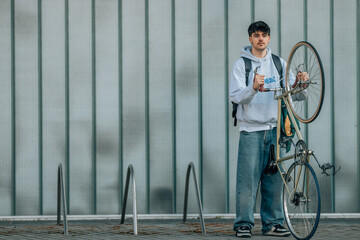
(257, 110)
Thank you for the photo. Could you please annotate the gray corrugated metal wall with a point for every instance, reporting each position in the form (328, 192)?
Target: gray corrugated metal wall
(97, 85)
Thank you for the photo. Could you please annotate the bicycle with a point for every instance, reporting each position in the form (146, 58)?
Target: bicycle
(302, 101)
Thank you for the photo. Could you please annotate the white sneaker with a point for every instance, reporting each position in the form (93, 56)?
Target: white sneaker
(244, 232)
(278, 231)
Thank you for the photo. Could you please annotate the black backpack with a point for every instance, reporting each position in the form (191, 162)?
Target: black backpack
(247, 61)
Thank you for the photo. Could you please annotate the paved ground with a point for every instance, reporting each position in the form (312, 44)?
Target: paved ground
(160, 229)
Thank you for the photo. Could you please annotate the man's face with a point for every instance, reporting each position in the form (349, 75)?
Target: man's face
(259, 40)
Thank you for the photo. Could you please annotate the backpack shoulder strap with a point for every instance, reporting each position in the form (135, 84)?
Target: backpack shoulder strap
(279, 68)
(247, 69)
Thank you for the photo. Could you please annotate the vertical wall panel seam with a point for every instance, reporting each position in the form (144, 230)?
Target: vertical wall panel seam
(305, 20)
(332, 104)
(93, 63)
(358, 97)
(305, 16)
(200, 130)
(67, 105)
(252, 11)
(279, 27)
(40, 107)
(227, 110)
(120, 103)
(13, 117)
(147, 114)
(173, 99)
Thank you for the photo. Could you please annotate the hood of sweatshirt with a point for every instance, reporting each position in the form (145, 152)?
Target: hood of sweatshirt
(264, 65)
(246, 52)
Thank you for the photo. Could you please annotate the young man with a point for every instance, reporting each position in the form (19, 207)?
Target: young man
(257, 117)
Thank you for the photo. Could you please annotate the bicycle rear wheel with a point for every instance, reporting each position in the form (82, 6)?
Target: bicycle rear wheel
(302, 203)
(308, 96)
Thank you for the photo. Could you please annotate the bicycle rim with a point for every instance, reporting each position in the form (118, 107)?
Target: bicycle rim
(301, 205)
(306, 101)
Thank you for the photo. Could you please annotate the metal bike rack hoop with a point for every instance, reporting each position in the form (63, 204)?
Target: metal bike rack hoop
(191, 167)
(61, 194)
(130, 174)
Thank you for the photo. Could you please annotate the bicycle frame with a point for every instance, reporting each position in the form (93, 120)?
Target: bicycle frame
(279, 161)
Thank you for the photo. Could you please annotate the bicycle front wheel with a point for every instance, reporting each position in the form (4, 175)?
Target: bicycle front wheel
(307, 98)
(301, 201)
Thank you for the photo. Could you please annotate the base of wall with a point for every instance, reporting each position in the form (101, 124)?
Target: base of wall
(155, 216)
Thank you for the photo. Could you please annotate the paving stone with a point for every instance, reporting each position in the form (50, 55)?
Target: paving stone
(160, 229)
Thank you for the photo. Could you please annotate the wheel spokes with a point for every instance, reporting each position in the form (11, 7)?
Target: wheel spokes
(307, 99)
(301, 203)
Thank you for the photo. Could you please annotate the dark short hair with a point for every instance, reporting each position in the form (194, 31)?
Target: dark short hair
(258, 26)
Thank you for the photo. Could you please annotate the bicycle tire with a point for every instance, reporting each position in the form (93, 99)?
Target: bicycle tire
(307, 99)
(301, 207)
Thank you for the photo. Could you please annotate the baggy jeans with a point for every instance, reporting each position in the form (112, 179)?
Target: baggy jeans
(254, 149)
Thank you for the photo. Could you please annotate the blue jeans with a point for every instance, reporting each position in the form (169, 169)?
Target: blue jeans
(254, 149)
